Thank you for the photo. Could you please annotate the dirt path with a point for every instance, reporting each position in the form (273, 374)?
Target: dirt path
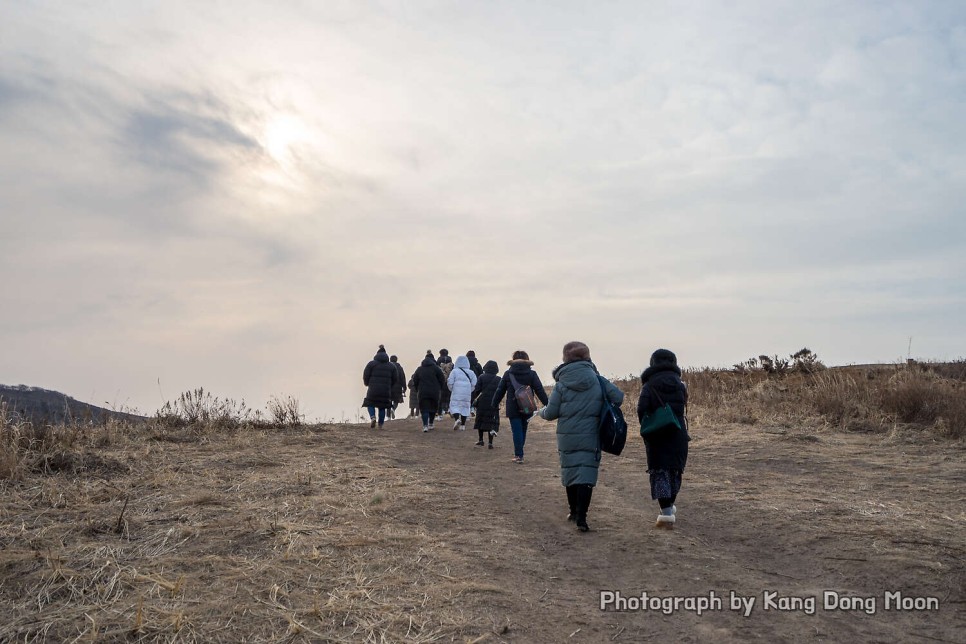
(795, 514)
(340, 533)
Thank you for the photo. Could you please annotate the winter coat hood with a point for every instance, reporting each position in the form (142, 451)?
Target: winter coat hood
(491, 367)
(428, 362)
(661, 360)
(515, 363)
(381, 356)
(462, 362)
(579, 375)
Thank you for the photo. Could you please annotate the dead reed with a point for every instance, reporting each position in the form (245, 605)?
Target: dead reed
(212, 541)
(919, 397)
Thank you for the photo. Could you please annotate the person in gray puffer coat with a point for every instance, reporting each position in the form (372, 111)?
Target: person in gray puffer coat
(576, 403)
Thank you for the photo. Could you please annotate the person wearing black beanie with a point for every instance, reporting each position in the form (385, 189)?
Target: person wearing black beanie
(667, 450)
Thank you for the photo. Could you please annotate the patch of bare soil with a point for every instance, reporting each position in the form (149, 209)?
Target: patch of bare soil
(342, 533)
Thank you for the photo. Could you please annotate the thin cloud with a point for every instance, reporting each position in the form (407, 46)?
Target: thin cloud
(251, 200)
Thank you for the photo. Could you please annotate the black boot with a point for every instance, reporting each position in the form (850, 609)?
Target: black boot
(572, 502)
(583, 504)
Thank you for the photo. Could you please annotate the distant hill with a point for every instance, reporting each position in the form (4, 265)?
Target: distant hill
(45, 406)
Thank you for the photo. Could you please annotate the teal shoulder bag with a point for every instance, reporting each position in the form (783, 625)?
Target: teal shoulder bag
(661, 419)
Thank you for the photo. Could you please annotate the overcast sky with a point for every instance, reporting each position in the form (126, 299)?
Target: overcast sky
(251, 197)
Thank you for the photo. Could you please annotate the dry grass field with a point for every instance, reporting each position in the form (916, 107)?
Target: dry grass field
(339, 533)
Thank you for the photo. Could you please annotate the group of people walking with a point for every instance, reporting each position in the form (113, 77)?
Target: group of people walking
(465, 388)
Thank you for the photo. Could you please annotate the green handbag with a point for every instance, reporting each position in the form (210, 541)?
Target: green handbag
(661, 419)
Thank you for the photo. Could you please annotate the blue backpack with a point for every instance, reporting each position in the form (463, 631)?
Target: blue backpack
(613, 427)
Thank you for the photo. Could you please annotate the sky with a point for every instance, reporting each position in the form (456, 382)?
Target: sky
(250, 197)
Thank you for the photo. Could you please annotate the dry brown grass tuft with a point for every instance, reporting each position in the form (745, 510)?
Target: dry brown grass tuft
(212, 540)
(853, 399)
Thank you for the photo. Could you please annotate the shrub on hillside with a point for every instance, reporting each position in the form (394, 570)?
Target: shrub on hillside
(284, 411)
(802, 361)
(200, 409)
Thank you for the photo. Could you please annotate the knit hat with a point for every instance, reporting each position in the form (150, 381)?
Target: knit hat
(663, 357)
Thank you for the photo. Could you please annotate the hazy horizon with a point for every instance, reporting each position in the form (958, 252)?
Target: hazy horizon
(252, 198)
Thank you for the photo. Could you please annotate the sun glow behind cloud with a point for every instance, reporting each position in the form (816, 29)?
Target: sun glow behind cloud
(284, 135)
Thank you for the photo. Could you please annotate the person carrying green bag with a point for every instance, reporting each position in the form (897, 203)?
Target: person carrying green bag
(661, 410)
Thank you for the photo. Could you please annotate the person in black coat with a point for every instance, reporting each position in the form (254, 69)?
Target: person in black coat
(380, 377)
(446, 367)
(487, 416)
(518, 375)
(398, 389)
(475, 365)
(413, 399)
(667, 451)
(443, 358)
(430, 383)
(476, 368)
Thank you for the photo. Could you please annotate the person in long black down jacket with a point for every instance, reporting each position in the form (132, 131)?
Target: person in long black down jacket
(667, 452)
(487, 416)
(380, 377)
(398, 389)
(522, 374)
(430, 383)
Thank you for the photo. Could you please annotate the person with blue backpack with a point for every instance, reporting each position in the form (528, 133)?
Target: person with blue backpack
(667, 448)
(576, 403)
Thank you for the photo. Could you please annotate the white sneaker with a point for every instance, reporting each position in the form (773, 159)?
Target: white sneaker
(462, 428)
(665, 521)
(456, 425)
(425, 428)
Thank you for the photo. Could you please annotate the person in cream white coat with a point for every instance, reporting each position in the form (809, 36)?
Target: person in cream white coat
(461, 382)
